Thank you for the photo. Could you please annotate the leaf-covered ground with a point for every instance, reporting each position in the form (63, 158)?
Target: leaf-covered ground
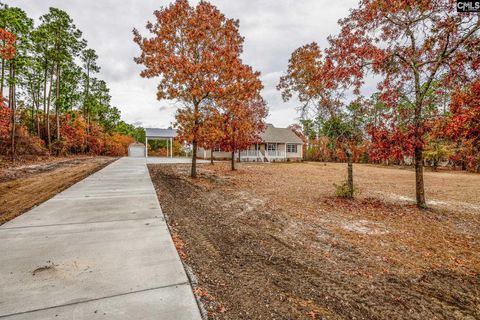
(271, 241)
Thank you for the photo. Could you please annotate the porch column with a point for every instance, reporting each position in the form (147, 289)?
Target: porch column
(285, 155)
(171, 147)
(146, 147)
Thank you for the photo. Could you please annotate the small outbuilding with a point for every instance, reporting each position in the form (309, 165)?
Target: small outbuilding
(136, 150)
(161, 134)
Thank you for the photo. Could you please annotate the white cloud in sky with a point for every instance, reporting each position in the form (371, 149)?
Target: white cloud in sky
(272, 30)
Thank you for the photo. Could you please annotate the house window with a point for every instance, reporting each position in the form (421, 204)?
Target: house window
(271, 147)
(291, 148)
(217, 149)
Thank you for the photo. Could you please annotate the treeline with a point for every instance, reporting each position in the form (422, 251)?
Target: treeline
(54, 102)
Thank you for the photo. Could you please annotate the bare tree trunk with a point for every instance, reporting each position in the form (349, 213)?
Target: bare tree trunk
(57, 95)
(193, 172)
(37, 117)
(45, 101)
(334, 152)
(87, 87)
(86, 108)
(233, 160)
(32, 125)
(34, 107)
(2, 77)
(49, 138)
(211, 156)
(12, 104)
(10, 71)
(419, 186)
(350, 173)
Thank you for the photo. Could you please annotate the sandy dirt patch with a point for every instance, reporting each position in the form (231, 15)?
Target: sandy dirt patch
(25, 186)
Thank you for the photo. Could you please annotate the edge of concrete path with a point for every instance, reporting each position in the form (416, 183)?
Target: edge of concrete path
(192, 279)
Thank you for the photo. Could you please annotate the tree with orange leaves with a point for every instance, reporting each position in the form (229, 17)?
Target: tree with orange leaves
(243, 110)
(243, 121)
(312, 76)
(416, 47)
(192, 50)
(211, 132)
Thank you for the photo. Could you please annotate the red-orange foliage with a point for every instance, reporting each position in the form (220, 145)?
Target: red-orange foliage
(7, 51)
(463, 126)
(195, 50)
(5, 120)
(320, 150)
(117, 144)
(74, 133)
(243, 110)
(192, 49)
(312, 76)
(5, 117)
(25, 144)
(75, 138)
(210, 133)
(388, 143)
(242, 124)
(416, 47)
(96, 139)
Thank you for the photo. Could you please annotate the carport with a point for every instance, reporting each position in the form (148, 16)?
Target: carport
(160, 134)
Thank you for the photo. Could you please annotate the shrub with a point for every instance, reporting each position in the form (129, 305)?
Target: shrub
(59, 147)
(117, 144)
(25, 144)
(342, 190)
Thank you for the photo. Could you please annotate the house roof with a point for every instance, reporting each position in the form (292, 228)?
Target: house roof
(136, 144)
(279, 135)
(160, 133)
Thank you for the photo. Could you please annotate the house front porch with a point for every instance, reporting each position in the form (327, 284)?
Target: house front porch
(267, 152)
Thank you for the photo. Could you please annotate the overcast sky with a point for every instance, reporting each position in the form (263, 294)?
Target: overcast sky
(272, 30)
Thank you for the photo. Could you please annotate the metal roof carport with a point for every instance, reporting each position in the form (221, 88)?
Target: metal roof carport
(160, 134)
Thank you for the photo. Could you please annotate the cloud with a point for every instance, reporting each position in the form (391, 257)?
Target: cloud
(272, 30)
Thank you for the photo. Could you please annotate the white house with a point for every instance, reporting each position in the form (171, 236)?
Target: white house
(276, 144)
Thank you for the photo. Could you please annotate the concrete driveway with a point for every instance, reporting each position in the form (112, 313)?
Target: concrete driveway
(100, 249)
